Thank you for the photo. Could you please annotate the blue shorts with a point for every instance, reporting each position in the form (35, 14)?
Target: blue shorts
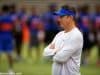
(6, 43)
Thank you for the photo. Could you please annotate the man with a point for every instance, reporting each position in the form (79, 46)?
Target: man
(96, 27)
(20, 24)
(6, 35)
(50, 25)
(36, 30)
(84, 24)
(67, 45)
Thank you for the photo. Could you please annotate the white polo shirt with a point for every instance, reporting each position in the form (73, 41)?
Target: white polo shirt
(66, 61)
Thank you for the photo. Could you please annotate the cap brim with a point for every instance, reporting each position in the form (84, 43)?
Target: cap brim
(58, 13)
(63, 12)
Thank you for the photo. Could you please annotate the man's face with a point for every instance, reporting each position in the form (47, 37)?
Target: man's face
(64, 21)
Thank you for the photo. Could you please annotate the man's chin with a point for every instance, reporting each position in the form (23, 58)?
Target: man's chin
(61, 28)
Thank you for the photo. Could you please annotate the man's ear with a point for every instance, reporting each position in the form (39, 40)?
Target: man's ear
(72, 17)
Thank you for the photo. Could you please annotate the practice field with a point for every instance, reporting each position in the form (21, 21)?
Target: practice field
(29, 66)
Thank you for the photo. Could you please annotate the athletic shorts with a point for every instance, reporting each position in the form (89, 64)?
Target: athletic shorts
(34, 42)
(6, 43)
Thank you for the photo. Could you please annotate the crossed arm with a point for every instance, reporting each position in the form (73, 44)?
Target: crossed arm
(64, 53)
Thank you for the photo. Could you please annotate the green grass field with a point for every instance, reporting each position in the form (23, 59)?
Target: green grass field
(29, 66)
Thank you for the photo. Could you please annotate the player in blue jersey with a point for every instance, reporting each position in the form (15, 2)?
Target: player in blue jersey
(96, 27)
(50, 23)
(36, 29)
(18, 17)
(6, 35)
(84, 24)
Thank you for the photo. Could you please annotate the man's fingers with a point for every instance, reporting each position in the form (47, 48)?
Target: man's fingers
(52, 46)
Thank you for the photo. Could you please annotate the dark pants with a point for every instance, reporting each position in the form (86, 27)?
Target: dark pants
(49, 36)
(18, 41)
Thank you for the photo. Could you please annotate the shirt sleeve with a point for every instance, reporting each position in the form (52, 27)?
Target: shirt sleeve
(50, 52)
(69, 47)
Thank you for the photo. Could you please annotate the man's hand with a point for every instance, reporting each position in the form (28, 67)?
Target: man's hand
(52, 46)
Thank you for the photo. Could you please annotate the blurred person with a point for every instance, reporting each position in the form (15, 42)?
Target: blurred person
(21, 22)
(6, 35)
(13, 13)
(84, 24)
(20, 18)
(51, 27)
(36, 29)
(96, 27)
(66, 47)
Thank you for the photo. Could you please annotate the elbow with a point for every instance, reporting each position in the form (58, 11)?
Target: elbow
(45, 53)
(46, 56)
(59, 60)
(48, 53)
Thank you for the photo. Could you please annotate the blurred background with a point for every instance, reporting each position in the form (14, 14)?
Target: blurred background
(27, 26)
